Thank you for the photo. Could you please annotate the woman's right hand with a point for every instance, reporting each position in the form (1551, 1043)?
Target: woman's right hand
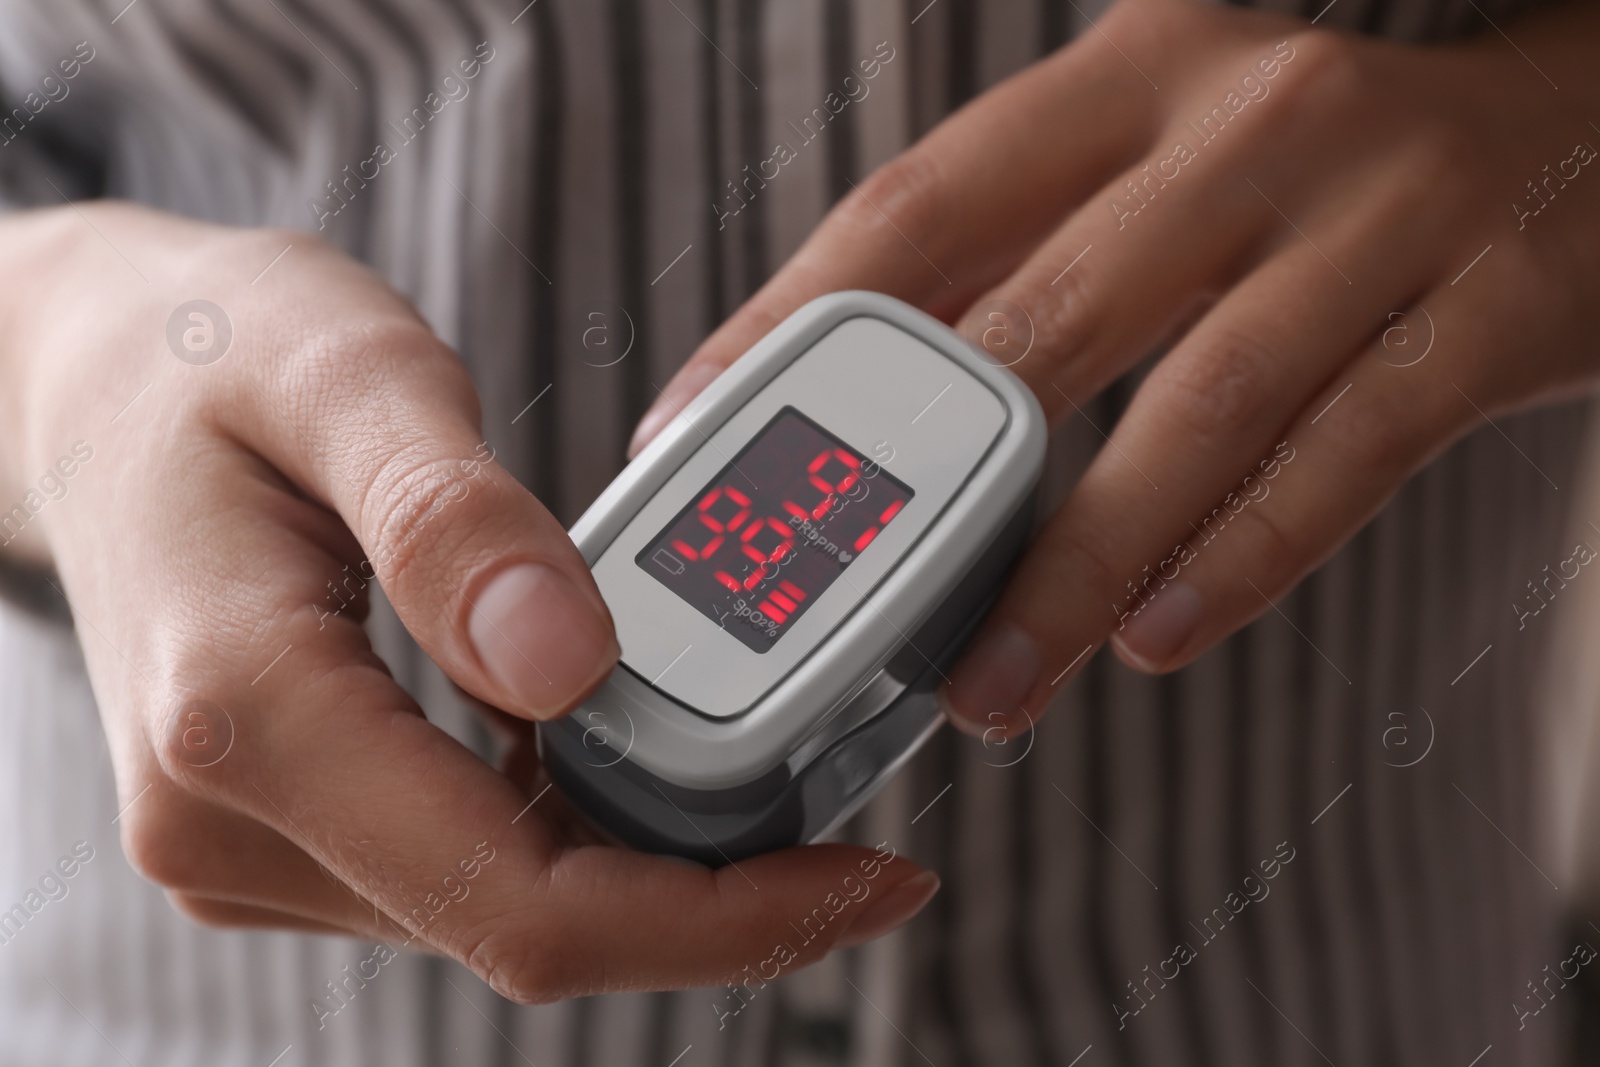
(196, 497)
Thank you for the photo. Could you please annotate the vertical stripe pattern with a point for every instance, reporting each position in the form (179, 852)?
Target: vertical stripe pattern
(574, 226)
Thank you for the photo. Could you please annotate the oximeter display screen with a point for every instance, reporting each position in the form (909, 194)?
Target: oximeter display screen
(772, 531)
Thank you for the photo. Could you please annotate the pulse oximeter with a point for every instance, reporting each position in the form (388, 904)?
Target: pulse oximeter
(791, 566)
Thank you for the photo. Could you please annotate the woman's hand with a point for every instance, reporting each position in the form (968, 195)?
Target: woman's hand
(215, 506)
(1364, 249)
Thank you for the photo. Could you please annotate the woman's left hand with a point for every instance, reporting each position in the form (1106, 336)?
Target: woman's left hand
(1364, 248)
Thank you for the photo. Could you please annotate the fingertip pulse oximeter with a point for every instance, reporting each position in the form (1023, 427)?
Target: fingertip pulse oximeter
(791, 566)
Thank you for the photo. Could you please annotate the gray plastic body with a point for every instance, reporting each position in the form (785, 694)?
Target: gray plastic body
(714, 752)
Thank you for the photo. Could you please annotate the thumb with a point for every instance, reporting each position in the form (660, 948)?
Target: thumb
(480, 573)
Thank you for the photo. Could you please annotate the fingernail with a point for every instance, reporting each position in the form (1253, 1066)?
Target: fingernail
(674, 398)
(993, 678)
(540, 638)
(895, 908)
(1160, 629)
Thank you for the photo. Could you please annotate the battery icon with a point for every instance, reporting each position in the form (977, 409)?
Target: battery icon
(667, 561)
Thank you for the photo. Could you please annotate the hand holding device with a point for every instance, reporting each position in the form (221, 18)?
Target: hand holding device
(1343, 249)
(270, 770)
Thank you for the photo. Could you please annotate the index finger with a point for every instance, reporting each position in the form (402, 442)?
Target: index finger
(368, 412)
(951, 216)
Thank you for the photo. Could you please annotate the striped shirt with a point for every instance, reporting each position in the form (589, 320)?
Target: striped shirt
(1373, 742)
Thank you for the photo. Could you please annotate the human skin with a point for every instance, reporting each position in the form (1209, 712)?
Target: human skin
(196, 547)
(1363, 180)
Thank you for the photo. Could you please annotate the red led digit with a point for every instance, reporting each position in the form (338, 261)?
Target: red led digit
(792, 591)
(827, 488)
(851, 462)
(705, 550)
(783, 546)
(728, 580)
(715, 525)
(740, 501)
(891, 511)
(866, 537)
(852, 472)
(764, 562)
(821, 486)
(744, 505)
(827, 498)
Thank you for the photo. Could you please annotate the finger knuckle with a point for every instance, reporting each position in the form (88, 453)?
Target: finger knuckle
(262, 243)
(905, 195)
(1323, 68)
(1063, 314)
(1221, 382)
(191, 745)
(404, 495)
(358, 352)
(1386, 437)
(228, 260)
(523, 970)
(1432, 194)
(1149, 27)
(1274, 545)
(159, 848)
